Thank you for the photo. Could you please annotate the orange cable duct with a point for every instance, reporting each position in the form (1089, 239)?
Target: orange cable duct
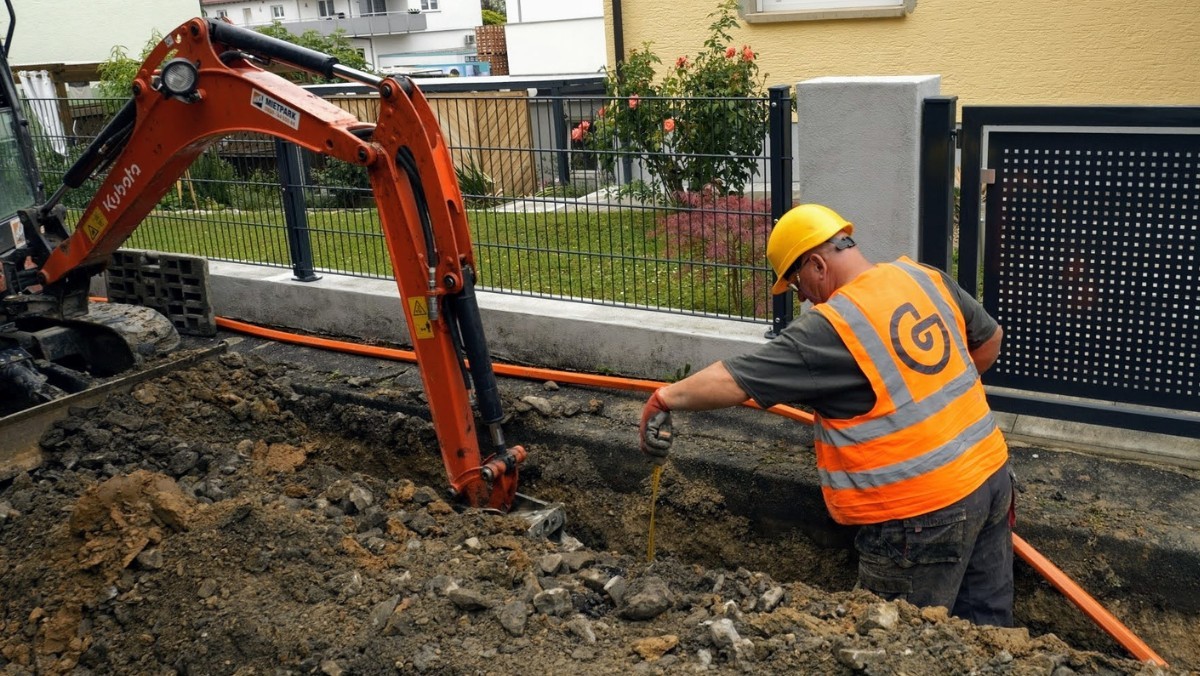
(1053, 574)
(1090, 606)
(514, 371)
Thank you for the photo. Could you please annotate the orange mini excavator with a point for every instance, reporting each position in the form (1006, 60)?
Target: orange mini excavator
(205, 80)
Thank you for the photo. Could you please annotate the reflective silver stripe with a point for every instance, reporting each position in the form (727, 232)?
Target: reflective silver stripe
(907, 469)
(916, 411)
(871, 341)
(869, 430)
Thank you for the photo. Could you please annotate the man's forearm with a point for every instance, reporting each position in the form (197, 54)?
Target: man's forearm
(711, 387)
(987, 352)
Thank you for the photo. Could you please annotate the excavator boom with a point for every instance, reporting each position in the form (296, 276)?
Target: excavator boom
(206, 80)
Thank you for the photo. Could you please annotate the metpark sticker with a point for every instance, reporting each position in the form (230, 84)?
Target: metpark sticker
(277, 110)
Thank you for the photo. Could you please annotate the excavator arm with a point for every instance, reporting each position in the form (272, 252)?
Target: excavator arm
(206, 80)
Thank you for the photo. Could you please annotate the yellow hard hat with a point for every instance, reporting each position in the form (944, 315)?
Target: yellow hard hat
(799, 230)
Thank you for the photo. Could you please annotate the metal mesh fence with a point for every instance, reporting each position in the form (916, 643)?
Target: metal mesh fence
(562, 204)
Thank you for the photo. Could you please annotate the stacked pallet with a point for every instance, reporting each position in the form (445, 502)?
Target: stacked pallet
(492, 46)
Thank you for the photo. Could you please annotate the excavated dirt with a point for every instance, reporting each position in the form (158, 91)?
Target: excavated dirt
(247, 517)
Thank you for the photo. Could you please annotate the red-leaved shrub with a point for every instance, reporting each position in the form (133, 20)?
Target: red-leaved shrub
(722, 239)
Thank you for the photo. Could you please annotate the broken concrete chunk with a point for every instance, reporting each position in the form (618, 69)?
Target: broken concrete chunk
(723, 633)
(150, 559)
(880, 616)
(468, 599)
(582, 628)
(423, 495)
(646, 599)
(550, 563)
(770, 600)
(615, 588)
(513, 617)
(555, 602)
(382, 611)
(859, 659)
(578, 559)
(540, 405)
(594, 579)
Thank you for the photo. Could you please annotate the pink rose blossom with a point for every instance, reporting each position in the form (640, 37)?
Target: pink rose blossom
(681, 62)
(729, 52)
(747, 53)
(577, 134)
(633, 101)
(669, 125)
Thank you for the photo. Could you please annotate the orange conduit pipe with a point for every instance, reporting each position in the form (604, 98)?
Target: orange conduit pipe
(1053, 574)
(1090, 606)
(510, 370)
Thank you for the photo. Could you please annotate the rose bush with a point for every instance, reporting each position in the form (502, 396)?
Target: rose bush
(701, 126)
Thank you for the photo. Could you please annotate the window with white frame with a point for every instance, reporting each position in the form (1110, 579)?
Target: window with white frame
(798, 10)
(325, 7)
(247, 16)
(276, 11)
(375, 7)
(222, 14)
(429, 5)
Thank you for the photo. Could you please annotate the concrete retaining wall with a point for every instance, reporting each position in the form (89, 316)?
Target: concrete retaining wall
(591, 338)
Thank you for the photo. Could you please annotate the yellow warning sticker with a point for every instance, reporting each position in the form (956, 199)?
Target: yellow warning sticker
(419, 310)
(95, 225)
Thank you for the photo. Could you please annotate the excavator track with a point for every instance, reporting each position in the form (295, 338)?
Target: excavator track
(20, 432)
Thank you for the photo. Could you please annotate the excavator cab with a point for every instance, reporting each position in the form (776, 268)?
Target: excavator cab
(18, 173)
(20, 186)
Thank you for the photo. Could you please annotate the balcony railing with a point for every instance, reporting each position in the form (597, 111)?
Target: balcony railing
(390, 23)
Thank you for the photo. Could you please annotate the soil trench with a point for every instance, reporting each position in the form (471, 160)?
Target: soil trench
(282, 511)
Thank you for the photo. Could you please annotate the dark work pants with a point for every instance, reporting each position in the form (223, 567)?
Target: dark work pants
(959, 556)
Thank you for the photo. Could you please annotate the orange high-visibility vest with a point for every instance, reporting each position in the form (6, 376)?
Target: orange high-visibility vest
(930, 440)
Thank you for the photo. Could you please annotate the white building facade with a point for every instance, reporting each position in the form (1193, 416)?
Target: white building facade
(552, 37)
(75, 32)
(394, 35)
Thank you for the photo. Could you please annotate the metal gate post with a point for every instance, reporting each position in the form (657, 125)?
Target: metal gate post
(779, 170)
(938, 136)
(290, 161)
(561, 140)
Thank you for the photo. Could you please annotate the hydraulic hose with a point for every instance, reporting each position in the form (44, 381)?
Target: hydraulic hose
(1054, 575)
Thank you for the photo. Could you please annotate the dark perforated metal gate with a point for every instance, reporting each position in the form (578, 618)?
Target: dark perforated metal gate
(1091, 259)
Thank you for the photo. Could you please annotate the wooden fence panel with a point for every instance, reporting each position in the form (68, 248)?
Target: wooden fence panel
(490, 130)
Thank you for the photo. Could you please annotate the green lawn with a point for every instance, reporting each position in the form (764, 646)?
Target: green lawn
(612, 255)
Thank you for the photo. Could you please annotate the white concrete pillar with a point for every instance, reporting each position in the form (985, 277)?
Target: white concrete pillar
(858, 152)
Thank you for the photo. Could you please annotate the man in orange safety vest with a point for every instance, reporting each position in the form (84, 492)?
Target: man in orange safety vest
(889, 358)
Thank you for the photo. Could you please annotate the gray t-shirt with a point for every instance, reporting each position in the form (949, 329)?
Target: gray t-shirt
(809, 364)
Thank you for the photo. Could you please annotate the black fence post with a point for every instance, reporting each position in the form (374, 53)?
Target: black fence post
(290, 160)
(938, 143)
(561, 140)
(779, 170)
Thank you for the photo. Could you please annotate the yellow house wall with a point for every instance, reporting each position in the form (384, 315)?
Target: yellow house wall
(1000, 53)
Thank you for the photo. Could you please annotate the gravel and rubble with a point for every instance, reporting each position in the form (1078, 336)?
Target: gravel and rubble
(221, 521)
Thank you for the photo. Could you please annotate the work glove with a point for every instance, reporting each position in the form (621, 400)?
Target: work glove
(655, 430)
(1017, 487)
